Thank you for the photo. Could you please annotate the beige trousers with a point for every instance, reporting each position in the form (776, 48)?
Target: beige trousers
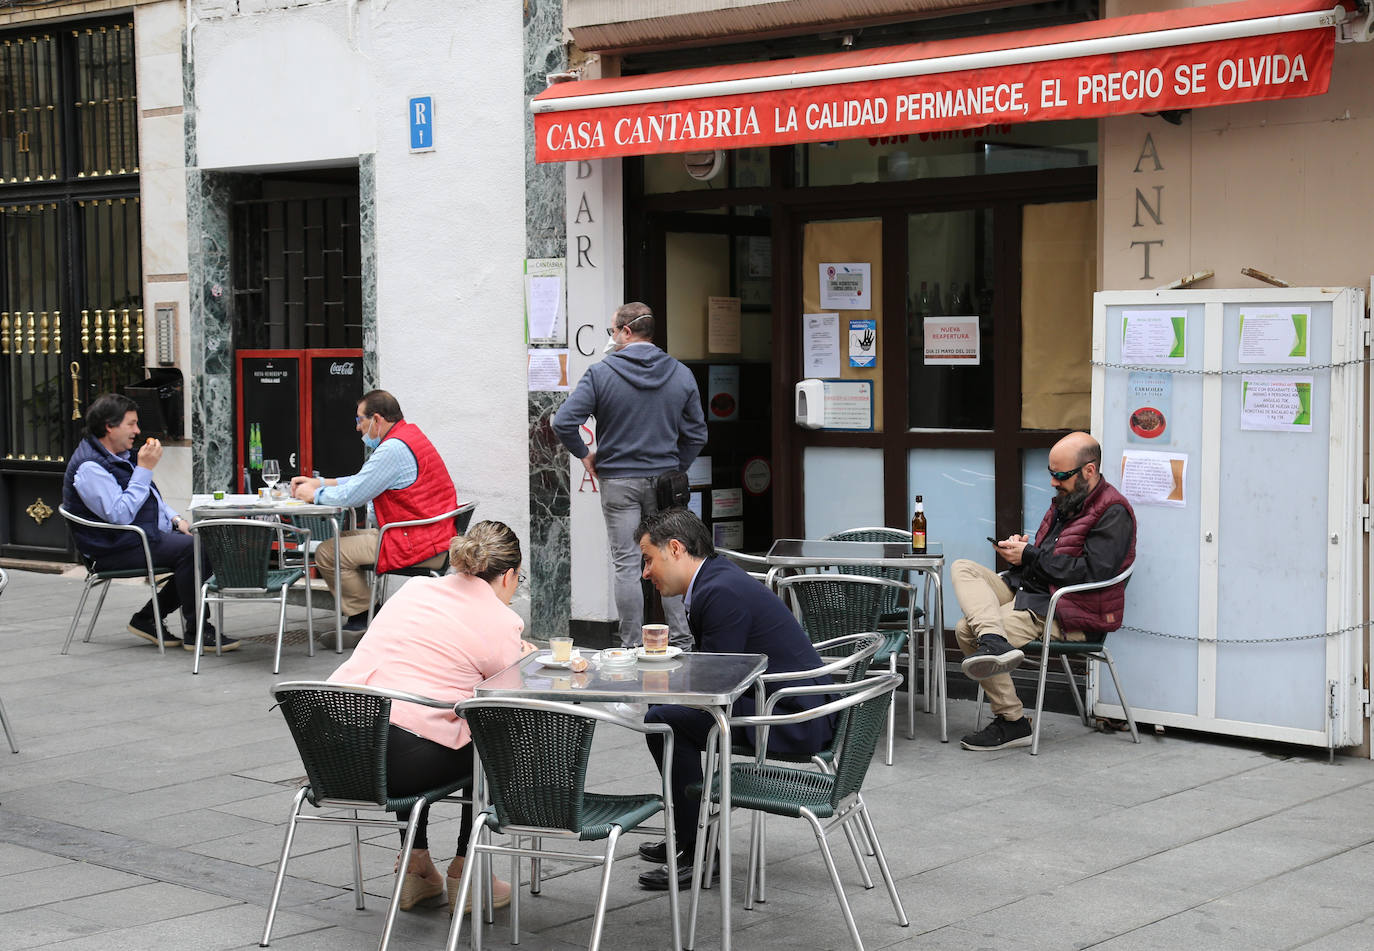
(987, 603)
(354, 554)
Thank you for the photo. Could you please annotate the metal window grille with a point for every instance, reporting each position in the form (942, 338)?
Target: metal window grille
(297, 273)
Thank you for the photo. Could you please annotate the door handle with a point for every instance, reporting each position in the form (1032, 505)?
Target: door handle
(76, 390)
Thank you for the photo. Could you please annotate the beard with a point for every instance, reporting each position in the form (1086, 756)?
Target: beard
(1068, 503)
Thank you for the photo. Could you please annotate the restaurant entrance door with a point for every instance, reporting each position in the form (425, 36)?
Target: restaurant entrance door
(979, 311)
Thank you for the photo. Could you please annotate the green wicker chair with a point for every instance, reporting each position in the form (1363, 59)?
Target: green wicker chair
(534, 755)
(1091, 651)
(4, 720)
(806, 794)
(321, 529)
(894, 614)
(461, 516)
(240, 553)
(341, 733)
(832, 605)
(96, 578)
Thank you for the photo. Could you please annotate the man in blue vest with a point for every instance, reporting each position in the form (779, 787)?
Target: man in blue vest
(106, 483)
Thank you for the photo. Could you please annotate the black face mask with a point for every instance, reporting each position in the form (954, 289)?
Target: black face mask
(1068, 504)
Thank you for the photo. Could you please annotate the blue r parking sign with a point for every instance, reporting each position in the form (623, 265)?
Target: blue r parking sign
(421, 123)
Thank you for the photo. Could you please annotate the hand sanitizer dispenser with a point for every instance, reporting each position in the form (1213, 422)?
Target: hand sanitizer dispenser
(810, 404)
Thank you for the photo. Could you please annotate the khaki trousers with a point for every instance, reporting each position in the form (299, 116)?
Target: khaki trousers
(354, 553)
(987, 604)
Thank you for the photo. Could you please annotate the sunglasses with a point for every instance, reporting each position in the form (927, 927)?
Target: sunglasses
(1065, 476)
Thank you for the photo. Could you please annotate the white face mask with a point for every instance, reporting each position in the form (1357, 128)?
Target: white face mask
(611, 346)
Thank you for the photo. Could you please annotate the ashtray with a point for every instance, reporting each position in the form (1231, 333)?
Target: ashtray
(618, 657)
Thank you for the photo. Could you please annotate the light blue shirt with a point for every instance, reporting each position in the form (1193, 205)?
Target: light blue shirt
(103, 496)
(391, 466)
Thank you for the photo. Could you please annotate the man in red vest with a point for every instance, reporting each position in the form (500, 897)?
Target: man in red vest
(1088, 534)
(404, 479)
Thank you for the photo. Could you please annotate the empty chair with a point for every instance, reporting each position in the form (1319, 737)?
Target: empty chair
(460, 516)
(756, 566)
(831, 605)
(810, 795)
(534, 754)
(240, 552)
(98, 578)
(1092, 652)
(341, 732)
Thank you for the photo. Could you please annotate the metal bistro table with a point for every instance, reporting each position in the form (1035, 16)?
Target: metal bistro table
(812, 553)
(249, 506)
(710, 682)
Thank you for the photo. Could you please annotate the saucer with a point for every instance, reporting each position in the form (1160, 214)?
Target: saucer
(652, 658)
(546, 659)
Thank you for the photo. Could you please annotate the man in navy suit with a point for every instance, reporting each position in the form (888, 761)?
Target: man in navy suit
(728, 612)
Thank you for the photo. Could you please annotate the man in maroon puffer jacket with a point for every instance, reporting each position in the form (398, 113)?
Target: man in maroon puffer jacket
(1088, 534)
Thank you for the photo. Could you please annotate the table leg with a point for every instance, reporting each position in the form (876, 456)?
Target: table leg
(338, 591)
(723, 722)
(941, 679)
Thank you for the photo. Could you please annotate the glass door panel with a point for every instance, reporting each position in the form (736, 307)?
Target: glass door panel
(956, 486)
(843, 489)
(949, 320)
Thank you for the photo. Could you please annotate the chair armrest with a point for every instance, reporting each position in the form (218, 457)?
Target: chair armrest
(111, 527)
(404, 696)
(741, 558)
(857, 693)
(411, 523)
(875, 642)
(1085, 586)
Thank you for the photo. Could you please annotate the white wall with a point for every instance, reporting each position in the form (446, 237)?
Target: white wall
(310, 85)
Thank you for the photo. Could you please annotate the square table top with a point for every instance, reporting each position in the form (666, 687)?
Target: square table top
(817, 553)
(204, 505)
(692, 679)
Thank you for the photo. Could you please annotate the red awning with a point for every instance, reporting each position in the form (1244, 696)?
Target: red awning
(1178, 59)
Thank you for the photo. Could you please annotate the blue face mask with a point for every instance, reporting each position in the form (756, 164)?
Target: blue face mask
(371, 442)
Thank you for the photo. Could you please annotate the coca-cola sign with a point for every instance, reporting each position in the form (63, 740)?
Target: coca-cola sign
(341, 369)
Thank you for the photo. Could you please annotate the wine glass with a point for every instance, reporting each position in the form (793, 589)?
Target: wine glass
(271, 474)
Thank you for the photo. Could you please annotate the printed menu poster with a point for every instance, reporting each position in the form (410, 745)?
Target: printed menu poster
(1150, 401)
(821, 345)
(1275, 335)
(1153, 478)
(1154, 336)
(863, 343)
(727, 503)
(1282, 405)
(846, 286)
(951, 341)
(722, 393)
(722, 325)
(546, 314)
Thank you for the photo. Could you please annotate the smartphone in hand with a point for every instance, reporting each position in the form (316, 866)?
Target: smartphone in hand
(991, 539)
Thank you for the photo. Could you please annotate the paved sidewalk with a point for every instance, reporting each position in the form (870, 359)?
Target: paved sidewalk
(146, 807)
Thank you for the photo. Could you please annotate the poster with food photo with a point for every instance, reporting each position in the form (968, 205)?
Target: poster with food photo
(722, 388)
(1150, 398)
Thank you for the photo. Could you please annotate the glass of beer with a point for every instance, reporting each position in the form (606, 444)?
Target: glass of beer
(655, 638)
(561, 648)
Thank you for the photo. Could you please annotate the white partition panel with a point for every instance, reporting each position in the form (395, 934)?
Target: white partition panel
(842, 488)
(957, 488)
(1237, 615)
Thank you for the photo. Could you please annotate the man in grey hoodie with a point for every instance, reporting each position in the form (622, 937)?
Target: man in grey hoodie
(648, 421)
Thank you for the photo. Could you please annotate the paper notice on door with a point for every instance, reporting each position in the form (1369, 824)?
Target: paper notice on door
(699, 472)
(548, 369)
(1278, 405)
(1275, 335)
(694, 503)
(1154, 478)
(727, 503)
(546, 318)
(951, 341)
(722, 325)
(863, 343)
(821, 345)
(1154, 336)
(728, 534)
(846, 286)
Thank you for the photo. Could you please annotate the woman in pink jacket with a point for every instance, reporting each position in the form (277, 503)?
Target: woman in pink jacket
(439, 638)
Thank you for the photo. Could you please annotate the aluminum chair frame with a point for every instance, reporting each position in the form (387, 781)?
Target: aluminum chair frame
(94, 580)
(379, 578)
(1049, 646)
(751, 562)
(277, 530)
(851, 809)
(4, 719)
(936, 680)
(783, 587)
(476, 849)
(411, 827)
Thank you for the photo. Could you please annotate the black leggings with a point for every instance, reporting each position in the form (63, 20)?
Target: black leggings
(414, 765)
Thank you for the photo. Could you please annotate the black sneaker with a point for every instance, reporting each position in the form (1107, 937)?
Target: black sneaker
(356, 623)
(210, 640)
(142, 625)
(656, 880)
(1000, 734)
(993, 656)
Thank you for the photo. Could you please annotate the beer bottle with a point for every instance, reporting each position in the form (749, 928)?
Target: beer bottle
(918, 528)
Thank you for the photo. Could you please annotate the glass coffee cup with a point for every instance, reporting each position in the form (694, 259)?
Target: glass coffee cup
(655, 638)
